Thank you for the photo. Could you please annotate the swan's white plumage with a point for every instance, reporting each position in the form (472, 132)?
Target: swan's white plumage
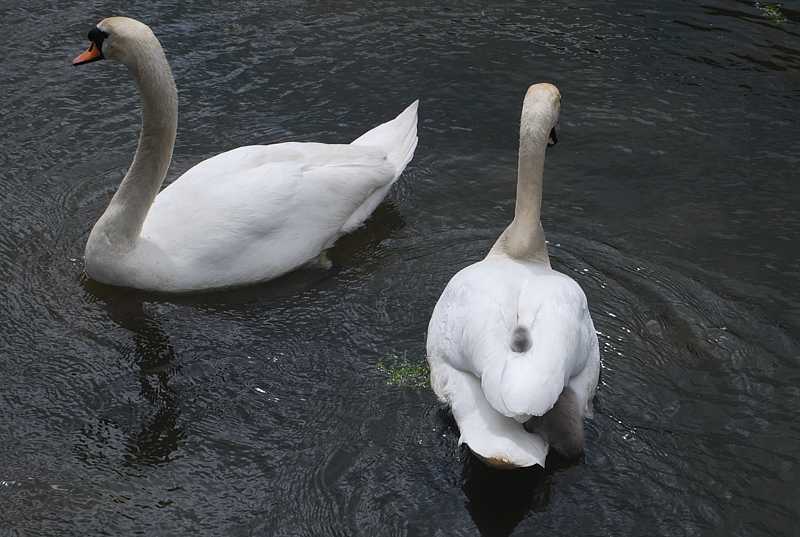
(266, 210)
(509, 334)
(491, 388)
(247, 215)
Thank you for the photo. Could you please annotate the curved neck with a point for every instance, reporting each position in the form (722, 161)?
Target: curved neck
(123, 219)
(524, 237)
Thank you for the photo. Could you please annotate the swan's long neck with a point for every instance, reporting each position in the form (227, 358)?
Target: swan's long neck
(524, 237)
(122, 221)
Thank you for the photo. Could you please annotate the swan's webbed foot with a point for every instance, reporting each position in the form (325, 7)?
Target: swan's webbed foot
(322, 261)
(562, 426)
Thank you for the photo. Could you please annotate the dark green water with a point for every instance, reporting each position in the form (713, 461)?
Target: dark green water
(672, 198)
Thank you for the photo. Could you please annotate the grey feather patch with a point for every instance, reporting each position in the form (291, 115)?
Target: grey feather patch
(520, 340)
(562, 426)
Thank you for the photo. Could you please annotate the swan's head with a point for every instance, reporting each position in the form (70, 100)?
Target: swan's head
(118, 38)
(540, 111)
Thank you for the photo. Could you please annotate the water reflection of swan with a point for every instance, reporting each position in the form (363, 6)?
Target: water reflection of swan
(498, 501)
(159, 433)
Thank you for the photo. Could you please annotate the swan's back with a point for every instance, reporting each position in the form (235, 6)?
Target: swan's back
(486, 308)
(255, 212)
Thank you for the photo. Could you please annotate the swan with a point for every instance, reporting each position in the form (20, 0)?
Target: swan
(511, 345)
(244, 216)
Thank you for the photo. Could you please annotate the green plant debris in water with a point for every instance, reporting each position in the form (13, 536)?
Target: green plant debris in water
(403, 372)
(772, 12)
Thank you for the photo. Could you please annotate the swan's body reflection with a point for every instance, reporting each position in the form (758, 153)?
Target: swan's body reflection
(499, 500)
(158, 434)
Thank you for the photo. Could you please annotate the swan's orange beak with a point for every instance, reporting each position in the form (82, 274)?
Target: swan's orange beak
(92, 54)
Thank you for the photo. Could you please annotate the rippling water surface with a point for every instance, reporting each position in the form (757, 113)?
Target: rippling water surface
(671, 198)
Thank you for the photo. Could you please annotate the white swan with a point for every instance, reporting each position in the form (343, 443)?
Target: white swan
(244, 216)
(511, 346)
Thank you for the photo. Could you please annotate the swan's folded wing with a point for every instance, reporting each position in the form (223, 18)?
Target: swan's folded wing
(475, 315)
(211, 220)
(342, 178)
(289, 198)
(230, 165)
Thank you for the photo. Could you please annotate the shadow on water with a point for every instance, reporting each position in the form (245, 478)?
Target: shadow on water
(498, 500)
(357, 247)
(159, 433)
(286, 286)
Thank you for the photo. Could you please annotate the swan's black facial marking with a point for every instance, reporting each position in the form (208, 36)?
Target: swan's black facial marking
(97, 36)
(95, 50)
(553, 138)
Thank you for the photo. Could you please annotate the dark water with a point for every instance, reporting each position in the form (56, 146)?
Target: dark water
(672, 198)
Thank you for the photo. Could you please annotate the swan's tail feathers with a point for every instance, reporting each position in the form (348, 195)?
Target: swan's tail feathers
(498, 440)
(397, 137)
